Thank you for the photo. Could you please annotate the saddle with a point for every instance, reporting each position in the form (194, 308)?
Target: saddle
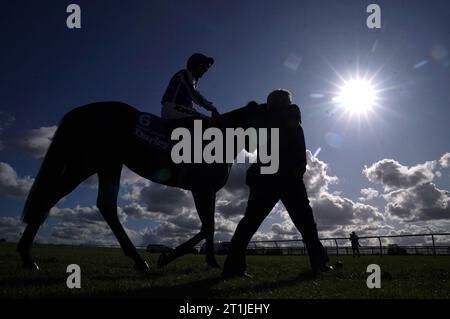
(155, 132)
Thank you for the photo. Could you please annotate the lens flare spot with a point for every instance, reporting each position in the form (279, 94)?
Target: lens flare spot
(439, 53)
(334, 139)
(292, 62)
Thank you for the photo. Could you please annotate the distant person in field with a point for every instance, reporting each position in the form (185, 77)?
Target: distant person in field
(285, 185)
(354, 239)
(182, 91)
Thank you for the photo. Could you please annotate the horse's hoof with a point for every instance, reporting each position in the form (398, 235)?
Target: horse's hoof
(162, 260)
(27, 261)
(30, 265)
(142, 267)
(230, 275)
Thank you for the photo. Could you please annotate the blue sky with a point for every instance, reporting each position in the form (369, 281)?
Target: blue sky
(128, 52)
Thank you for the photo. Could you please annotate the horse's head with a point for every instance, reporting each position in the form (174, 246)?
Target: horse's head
(248, 116)
(240, 127)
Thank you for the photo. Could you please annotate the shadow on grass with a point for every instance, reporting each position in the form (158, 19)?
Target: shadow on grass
(302, 277)
(194, 289)
(207, 288)
(28, 281)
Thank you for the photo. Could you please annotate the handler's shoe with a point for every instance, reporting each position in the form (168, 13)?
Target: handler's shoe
(323, 269)
(31, 265)
(247, 275)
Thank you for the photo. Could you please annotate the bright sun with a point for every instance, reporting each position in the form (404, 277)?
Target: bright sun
(357, 96)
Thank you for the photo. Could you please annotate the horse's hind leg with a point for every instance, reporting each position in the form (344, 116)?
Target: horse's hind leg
(24, 246)
(108, 188)
(164, 259)
(45, 193)
(205, 203)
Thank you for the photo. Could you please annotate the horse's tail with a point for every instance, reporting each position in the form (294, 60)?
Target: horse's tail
(36, 207)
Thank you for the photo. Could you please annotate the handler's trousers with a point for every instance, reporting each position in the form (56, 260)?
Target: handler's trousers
(262, 199)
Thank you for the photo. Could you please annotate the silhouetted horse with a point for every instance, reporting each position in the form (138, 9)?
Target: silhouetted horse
(99, 138)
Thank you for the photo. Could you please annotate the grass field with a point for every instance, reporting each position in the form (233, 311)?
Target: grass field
(105, 272)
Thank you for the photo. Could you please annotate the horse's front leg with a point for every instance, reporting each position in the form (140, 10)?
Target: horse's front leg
(205, 202)
(108, 188)
(179, 251)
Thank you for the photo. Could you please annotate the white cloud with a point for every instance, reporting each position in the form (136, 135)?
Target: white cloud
(135, 210)
(84, 225)
(11, 185)
(422, 202)
(189, 221)
(410, 193)
(285, 230)
(332, 211)
(11, 228)
(176, 219)
(83, 213)
(127, 179)
(167, 200)
(231, 204)
(34, 141)
(81, 232)
(167, 233)
(316, 177)
(80, 225)
(444, 161)
(174, 230)
(368, 194)
(392, 175)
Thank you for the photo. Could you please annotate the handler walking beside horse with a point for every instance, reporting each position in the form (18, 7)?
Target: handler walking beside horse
(285, 185)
